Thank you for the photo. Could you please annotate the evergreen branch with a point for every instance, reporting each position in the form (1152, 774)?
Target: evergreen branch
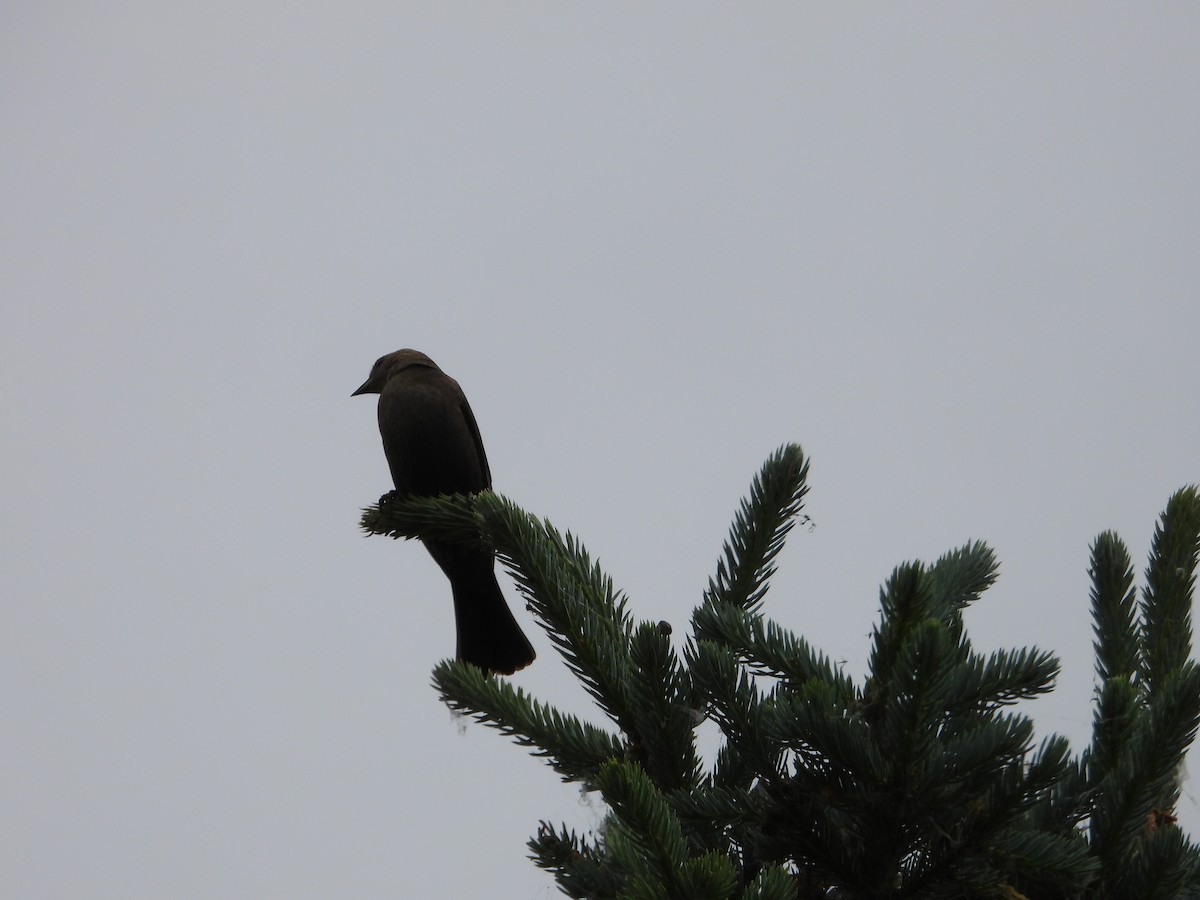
(972, 821)
(1146, 777)
(1166, 868)
(718, 807)
(832, 747)
(762, 523)
(1006, 677)
(707, 877)
(662, 712)
(766, 647)
(1170, 578)
(961, 576)
(576, 604)
(734, 703)
(772, 883)
(905, 600)
(718, 819)
(1046, 860)
(731, 768)
(1057, 800)
(1050, 765)
(647, 819)
(1174, 714)
(640, 887)
(917, 695)
(1114, 609)
(575, 749)
(832, 833)
(972, 758)
(626, 854)
(449, 518)
(581, 869)
(574, 600)
(1066, 801)
(1116, 719)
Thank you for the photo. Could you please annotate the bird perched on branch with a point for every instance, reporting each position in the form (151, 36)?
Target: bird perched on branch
(433, 447)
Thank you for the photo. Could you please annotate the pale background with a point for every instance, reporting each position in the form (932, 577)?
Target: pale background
(951, 249)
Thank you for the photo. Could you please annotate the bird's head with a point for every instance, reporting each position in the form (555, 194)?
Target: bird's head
(387, 366)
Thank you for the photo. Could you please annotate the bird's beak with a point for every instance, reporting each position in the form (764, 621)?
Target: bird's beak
(365, 389)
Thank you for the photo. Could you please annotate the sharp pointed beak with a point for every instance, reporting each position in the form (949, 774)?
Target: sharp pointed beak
(365, 389)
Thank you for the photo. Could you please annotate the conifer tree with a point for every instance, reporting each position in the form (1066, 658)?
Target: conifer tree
(920, 781)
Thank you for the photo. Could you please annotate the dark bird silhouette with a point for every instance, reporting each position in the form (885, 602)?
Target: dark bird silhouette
(433, 447)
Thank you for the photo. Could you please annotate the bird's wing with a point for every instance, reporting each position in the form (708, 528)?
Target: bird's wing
(469, 417)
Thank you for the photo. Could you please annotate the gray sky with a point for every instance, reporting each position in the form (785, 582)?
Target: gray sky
(950, 249)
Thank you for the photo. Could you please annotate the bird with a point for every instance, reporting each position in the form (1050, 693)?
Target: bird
(432, 445)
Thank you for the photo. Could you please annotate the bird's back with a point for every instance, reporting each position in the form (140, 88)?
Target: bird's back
(429, 435)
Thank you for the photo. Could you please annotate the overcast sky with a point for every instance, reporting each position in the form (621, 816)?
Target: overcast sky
(952, 249)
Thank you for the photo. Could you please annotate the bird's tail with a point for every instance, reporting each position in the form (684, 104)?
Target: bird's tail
(488, 635)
